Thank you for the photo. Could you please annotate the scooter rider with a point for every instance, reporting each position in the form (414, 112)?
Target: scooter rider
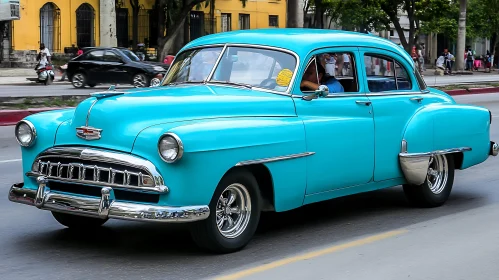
(43, 57)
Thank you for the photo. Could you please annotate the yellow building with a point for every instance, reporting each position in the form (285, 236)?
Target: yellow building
(63, 23)
(56, 23)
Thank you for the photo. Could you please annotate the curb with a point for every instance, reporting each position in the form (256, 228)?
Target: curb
(11, 117)
(472, 91)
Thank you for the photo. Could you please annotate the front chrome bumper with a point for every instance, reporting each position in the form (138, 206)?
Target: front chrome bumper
(494, 148)
(105, 207)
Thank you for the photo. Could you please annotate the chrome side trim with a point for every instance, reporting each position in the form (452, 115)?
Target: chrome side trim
(438, 152)
(150, 181)
(105, 207)
(415, 165)
(272, 159)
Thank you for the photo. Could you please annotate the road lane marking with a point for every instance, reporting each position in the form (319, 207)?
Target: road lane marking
(10, 160)
(313, 254)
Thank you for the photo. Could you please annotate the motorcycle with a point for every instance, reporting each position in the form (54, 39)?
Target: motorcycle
(45, 75)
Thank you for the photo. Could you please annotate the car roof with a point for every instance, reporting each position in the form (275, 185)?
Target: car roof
(300, 40)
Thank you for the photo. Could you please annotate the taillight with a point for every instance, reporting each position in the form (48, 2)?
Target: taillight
(490, 115)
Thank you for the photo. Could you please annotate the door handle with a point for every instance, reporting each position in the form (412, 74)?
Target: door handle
(367, 103)
(418, 99)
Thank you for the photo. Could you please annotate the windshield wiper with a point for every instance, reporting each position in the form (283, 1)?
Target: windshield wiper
(232, 83)
(186, 82)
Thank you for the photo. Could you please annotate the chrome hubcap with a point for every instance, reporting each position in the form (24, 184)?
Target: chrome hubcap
(233, 211)
(155, 82)
(438, 171)
(139, 81)
(78, 80)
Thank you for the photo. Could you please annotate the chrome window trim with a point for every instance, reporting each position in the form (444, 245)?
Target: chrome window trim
(103, 156)
(180, 147)
(33, 129)
(273, 159)
(227, 45)
(394, 61)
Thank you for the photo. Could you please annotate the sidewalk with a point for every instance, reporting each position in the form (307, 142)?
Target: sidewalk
(18, 76)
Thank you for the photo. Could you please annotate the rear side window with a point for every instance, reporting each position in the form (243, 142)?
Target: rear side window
(385, 74)
(95, 56)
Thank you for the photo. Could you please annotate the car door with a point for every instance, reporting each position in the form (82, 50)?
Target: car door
(115, 69)
(94, 66)
(392, 87)
(339, 129)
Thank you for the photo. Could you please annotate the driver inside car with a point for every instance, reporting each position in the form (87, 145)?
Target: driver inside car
(309, 81)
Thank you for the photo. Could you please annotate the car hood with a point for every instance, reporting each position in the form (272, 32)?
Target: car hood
(123, 117)
(150, 64)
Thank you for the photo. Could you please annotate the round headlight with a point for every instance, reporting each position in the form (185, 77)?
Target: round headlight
(25, 133)
(170, 147)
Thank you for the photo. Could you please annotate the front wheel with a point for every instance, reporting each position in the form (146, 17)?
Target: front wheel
(140, 80)
(234, 214)
(438, 184)
(78, 222)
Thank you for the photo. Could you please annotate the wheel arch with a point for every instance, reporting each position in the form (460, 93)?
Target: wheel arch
(265, 183)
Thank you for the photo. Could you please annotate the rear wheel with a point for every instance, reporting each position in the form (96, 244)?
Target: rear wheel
(438, 184)
(78, 222)
(234, 214)
(79, 80)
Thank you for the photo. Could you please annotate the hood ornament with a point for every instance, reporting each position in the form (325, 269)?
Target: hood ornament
(91, 133)
(88, 133)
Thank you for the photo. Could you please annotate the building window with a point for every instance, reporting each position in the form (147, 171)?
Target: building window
(391, 33)
(226, 22)
(85, 16)
(273, 21)
(50, 27)
(244, 21)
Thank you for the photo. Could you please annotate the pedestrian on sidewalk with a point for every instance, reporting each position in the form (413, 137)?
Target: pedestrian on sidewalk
(469, 59)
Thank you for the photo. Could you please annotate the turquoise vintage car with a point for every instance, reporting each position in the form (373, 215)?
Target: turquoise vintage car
(251, 121)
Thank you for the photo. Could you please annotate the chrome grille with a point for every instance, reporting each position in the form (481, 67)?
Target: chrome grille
(92, 174)
(94, 167)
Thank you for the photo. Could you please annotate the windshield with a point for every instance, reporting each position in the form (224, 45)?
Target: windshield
(131, 55)
(193, 65)
(248, 66)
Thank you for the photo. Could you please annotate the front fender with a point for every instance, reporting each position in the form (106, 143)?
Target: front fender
(444, 126)
(214, 146)
(46, 125)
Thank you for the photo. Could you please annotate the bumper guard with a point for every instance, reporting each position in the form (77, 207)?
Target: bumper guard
(105, 207)
(494, 148)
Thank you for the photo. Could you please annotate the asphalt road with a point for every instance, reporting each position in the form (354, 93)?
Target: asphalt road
(373, 236)
(55, 89)
(33, 89)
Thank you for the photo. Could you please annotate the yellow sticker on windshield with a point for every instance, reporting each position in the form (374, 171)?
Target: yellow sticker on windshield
(284, 77)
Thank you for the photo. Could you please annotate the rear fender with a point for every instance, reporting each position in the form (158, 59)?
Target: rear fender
(444, 128)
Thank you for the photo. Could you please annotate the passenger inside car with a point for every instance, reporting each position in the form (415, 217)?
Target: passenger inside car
(312, 78)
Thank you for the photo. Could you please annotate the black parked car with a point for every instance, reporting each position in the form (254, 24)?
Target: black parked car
(113, 65)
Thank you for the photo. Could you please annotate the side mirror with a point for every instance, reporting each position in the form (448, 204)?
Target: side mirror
(322, 91)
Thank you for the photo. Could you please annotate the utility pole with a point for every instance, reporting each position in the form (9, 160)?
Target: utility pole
(107, 18)
(461, 36)
(294, 14)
